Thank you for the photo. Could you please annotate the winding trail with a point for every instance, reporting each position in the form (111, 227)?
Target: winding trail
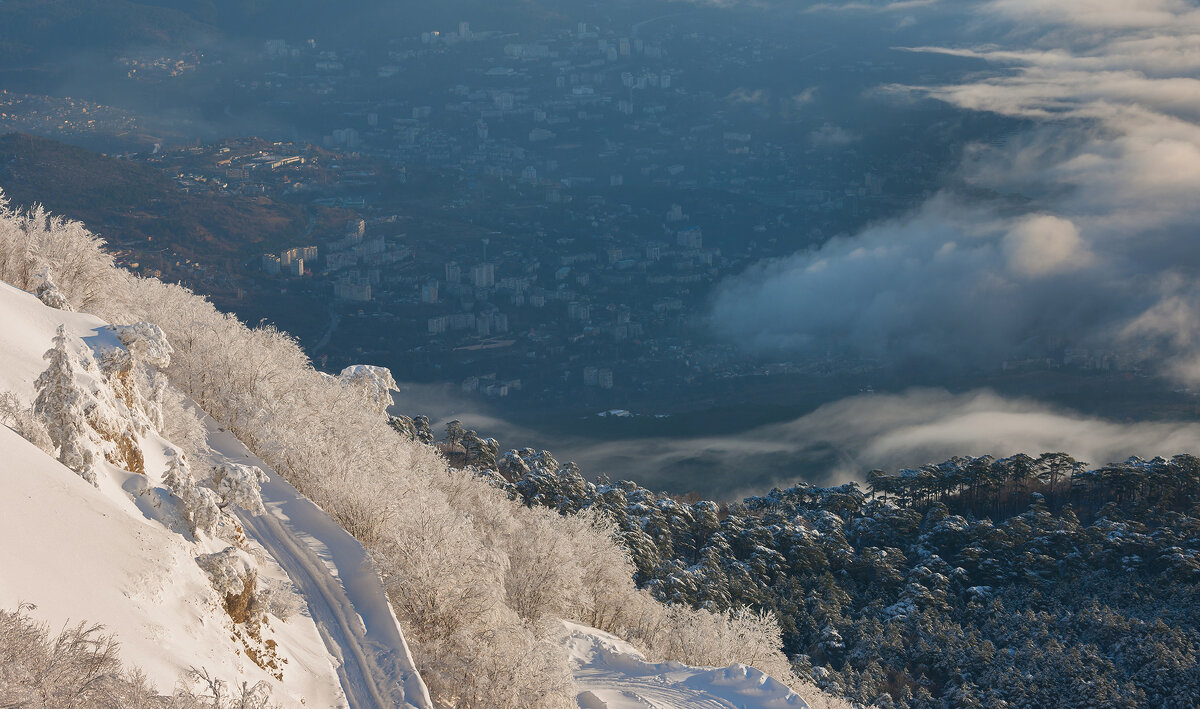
(344, 594)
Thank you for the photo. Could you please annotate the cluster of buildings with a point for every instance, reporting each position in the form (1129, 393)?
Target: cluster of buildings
(60, 117)
(291, 262)
(354, 261)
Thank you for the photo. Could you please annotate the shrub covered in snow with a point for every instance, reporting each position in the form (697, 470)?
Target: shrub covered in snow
(240, 486)
(22, 419)
(234, 576)
(33, 240)
(80, 668)
(374, 383)
(201, 505)
(146, 343)
(279, 598)
(77, 668)
(48, 292)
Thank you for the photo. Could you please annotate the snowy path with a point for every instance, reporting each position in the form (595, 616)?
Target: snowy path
(344, 594)
(611, 674)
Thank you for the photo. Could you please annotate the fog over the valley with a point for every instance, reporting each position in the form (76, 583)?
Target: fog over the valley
(1080, 232)
(836, 443)
(1077, 233)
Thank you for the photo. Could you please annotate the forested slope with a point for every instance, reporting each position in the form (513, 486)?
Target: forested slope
(975, 582)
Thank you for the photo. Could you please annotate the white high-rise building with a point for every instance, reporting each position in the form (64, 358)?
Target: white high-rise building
(484, 275)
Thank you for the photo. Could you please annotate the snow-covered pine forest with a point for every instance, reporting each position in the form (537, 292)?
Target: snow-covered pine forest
(976, 582)
(480, 583)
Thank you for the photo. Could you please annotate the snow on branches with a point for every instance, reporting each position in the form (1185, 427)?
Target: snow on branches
(239, 485)
(60, 404)
(146, 343)
(202, 510)
(48, 292)
(375, 383)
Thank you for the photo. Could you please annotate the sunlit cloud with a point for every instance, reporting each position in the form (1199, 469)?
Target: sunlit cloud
(1102, 251)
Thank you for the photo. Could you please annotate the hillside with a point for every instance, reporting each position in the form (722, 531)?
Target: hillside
(287, 538)
(100, 191)
(110, 554)
(34, 31)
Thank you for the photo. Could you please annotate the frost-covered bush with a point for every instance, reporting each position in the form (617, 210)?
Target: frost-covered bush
(234, 576)
(201, 506)
(20, 418)
(532, 672)
(375, 384)
(229, 570)
(279, 598)
(240, 486)
(48, 292)
(32, 240)
(146, 342)
(176, 418)
(78, 668)
(198, 689)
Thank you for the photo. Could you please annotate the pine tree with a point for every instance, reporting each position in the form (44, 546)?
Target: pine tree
(60, 402)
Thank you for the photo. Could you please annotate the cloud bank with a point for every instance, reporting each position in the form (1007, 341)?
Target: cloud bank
(840, 441)
(1090, 239)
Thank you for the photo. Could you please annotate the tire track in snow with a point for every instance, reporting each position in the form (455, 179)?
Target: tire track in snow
(329, 610)
(345, 597)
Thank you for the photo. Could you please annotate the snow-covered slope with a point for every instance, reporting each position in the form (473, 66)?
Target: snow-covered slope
(344, 594)
(102, 554)
(116, 554)
(611, 674)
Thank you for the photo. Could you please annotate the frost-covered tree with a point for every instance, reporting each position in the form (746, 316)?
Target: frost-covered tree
(60, 404)
(20, 417)
(78, 667)
(454, 432)
(146, 343)
(404, 426)
(424, 431)
(374, 383)
(480, 452)
(48, 292)
(201, 505)
(32, 240)
(239, 485)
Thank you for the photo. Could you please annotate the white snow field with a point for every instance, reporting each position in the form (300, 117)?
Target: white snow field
(611, 674)
(344, 594)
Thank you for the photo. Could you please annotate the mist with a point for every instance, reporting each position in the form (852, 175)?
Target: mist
(1080, 232)
(838, 442)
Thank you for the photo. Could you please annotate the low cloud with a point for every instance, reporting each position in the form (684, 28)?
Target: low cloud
(1044, 245)
(754, 97)
(832, 136)
(880, 6)
(1090, 235)
(841, 441)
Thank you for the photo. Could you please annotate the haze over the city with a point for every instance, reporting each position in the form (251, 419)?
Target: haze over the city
(706, 218)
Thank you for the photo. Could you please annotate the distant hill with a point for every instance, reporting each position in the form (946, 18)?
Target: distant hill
(130, 204)
(39, 30)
